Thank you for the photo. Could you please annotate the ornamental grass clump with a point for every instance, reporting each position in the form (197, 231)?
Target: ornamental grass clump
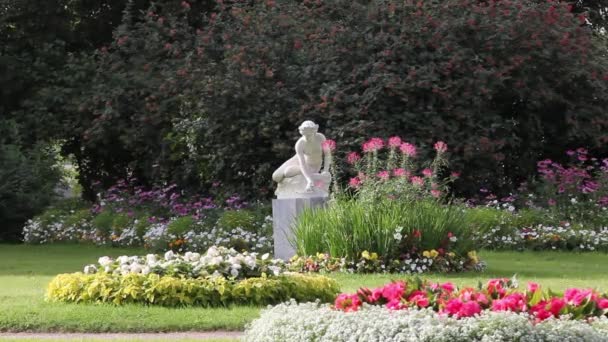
(395, 218)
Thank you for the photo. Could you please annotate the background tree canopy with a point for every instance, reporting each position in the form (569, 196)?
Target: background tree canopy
(194, 92)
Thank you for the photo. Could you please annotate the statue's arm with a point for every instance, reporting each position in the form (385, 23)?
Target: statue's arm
(326, 156)
(302, 161)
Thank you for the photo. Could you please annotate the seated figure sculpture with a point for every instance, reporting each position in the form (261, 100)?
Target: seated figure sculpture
(300, 176)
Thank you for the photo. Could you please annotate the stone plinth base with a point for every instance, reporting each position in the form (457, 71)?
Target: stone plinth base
(284, 214)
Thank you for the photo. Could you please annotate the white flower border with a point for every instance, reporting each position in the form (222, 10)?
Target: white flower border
(315, 322)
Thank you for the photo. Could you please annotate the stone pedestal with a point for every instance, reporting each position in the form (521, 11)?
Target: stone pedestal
(284, 214)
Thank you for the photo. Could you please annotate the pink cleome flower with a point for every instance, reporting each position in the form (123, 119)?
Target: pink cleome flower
(440, 147)
(394, 142)
(408, 149)
(354, 182)
(373, 145)
(427, 172)
(435, 193)
(400, 172)
(329, 145)
(353, 157)
(417, 181)
(384, 175)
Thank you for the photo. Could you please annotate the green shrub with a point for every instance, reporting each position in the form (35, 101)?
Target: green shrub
(141, 225)
(121, 222)
(103, 222)
(77, 217)
(232, 219)
(181, 225)
(173, 291)
(390, 228)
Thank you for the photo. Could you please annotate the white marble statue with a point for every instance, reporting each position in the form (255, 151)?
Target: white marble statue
(301, 175)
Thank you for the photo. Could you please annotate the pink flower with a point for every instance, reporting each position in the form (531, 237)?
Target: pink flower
(455, 174)
(440, 147)
(427, 172)
(533, 287)
(408, 149)
(551, 202)
(185, 5)
(373, 145)
(576, 297)
(540, 311)
(456, 307)
(354, 182)
(347, 302)
(329, 145)
(515, 302)
(400, 172)
(353, 157)
(448, 287)
(495, 286)
(394, 142)
(602, 303)
(395, 304)
(469, 309)
(435, 193)
(556, 305)
(393, 291)
(384, 175)
(417, 181)
(419, 298)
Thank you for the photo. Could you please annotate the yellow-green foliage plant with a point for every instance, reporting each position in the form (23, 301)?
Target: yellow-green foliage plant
(154, 289)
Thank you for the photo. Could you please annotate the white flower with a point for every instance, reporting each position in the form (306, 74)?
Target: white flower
(151, 259)
(146, 270)
(169, 255)
(90, 269)
(105, 261)
(234, 272)
(265, 256)
(123, 259)
(397, 236)
(573, 200)
(135, 268)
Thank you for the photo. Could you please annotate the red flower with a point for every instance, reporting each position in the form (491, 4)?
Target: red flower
(297, 44)
(417, 233)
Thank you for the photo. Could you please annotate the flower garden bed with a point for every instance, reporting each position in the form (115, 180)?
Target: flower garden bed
(314, 322)
(218, 278)
(424, 311)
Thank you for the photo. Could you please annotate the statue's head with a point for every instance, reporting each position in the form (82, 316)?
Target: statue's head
(308, 128)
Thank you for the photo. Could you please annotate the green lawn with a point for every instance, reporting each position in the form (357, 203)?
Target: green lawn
(25, 271)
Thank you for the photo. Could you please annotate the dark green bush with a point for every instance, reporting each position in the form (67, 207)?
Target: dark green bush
(28, 179)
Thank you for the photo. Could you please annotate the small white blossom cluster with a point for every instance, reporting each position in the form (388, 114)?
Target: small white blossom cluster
(35, 232)
(217, 261)
(315, 322)
(156, 236)
(547, 237)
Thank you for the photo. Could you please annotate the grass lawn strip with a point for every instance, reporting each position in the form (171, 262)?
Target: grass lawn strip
(26, 270)
(215, 336)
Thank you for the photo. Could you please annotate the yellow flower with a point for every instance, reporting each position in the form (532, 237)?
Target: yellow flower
(374, 256)
(451, 254)
(434, 254)
(365, 255)
(473, 256)
(320, 256)
(426, 254)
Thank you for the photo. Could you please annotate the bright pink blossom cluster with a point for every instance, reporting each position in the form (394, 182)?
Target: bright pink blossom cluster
(497, 295)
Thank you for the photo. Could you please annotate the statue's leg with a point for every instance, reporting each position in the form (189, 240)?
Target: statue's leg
(292, 171)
